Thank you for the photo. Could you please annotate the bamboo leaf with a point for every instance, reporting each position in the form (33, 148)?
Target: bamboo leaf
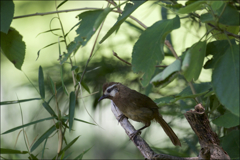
(72, 102)
(41, 82)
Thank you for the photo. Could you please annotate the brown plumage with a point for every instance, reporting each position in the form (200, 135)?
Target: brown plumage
(137, 107)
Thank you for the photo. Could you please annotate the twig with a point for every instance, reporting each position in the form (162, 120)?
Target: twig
(54, 12)
(228, 33)
(168, 44)
(115, 54)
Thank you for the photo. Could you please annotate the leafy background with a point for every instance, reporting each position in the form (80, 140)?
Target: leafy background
(173, 96)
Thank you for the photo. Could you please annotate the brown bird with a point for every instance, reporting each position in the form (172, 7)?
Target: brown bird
(137, 107)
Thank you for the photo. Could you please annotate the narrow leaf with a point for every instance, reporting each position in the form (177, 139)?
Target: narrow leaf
(63, 85)
(128, 10)
(51, 30)
(67, 146)
(48, 108)
(148, 50)
(13, 47)
(84, 121)
(61, 3)
(43, 137)
(52, 85)
(28, 124)
(225, 79)
(193, 61)
(18, 101)
(80, 156)
(41, 82)
(12, 151)
(72, 102)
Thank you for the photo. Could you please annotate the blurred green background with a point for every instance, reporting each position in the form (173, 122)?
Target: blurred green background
(108, 140)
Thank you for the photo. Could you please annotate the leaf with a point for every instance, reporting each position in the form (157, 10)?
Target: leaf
(191, 7)
(227, 120)
(230, 144)
(148, 50)
(230, 15)
(72, 102)
(207, 17)
(61, 3)
(80, 156)
(67, 146)
(128, 10)
(7, 11)
(199, 88)
(43, 137)
(217, 49)
(166, 73)
(56, 29)
(90, 21)
(18, 101)
(28, 124)
(12, 151)
(38, 53)
(41, 82)
(193, 61)
(63, 85)
(48, 108)
(52, 85)
(225, 79)
(84, 121)
(13, 47)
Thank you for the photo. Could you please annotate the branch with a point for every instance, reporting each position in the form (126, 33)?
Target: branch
(228, 33)
(199, 122)
(116, 55)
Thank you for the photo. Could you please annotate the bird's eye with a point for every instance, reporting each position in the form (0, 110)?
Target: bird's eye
(109, 90)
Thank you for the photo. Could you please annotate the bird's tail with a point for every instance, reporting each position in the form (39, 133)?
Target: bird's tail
(168, 130)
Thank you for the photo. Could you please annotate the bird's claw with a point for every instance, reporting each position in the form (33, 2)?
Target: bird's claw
(134, 134)
(121, 117)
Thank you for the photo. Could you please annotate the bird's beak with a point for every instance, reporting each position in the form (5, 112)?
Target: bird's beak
(101, 98)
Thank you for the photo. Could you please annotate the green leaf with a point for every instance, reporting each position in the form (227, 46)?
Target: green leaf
(80, 156)
(84, 121)
(217, 49)
(28, 124)
(38, 53)
(13, 47)
(164, 100)
(148, 50)
(61, 3)
(199, 88)
(225, 79)
(128, 10)
(43, 137)
(227, 120)
(217, 4)
(85, 86)
(41, 82)
(18, 101)
(230, 144)
(12, 151)
(51, 30)
(7, 11)
(90, 21)
(66, 147)
(191, 7)
(193, 61)
(72, 102)
(230, 15)
(207, 17)
(167, 73)
(48, 108)
(52, 85)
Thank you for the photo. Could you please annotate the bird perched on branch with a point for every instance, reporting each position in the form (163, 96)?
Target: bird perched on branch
(137, 107)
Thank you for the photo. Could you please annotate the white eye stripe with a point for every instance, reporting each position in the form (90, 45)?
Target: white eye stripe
(111, 90)
(111, 86)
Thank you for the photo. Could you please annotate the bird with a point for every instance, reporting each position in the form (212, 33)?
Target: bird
(137, 107)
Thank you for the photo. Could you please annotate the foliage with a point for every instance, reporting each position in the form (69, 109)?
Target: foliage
(218, 48)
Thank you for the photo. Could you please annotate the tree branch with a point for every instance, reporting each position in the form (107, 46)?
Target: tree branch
(199, 122)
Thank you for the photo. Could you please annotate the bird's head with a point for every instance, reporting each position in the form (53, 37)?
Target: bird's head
(110, 90)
